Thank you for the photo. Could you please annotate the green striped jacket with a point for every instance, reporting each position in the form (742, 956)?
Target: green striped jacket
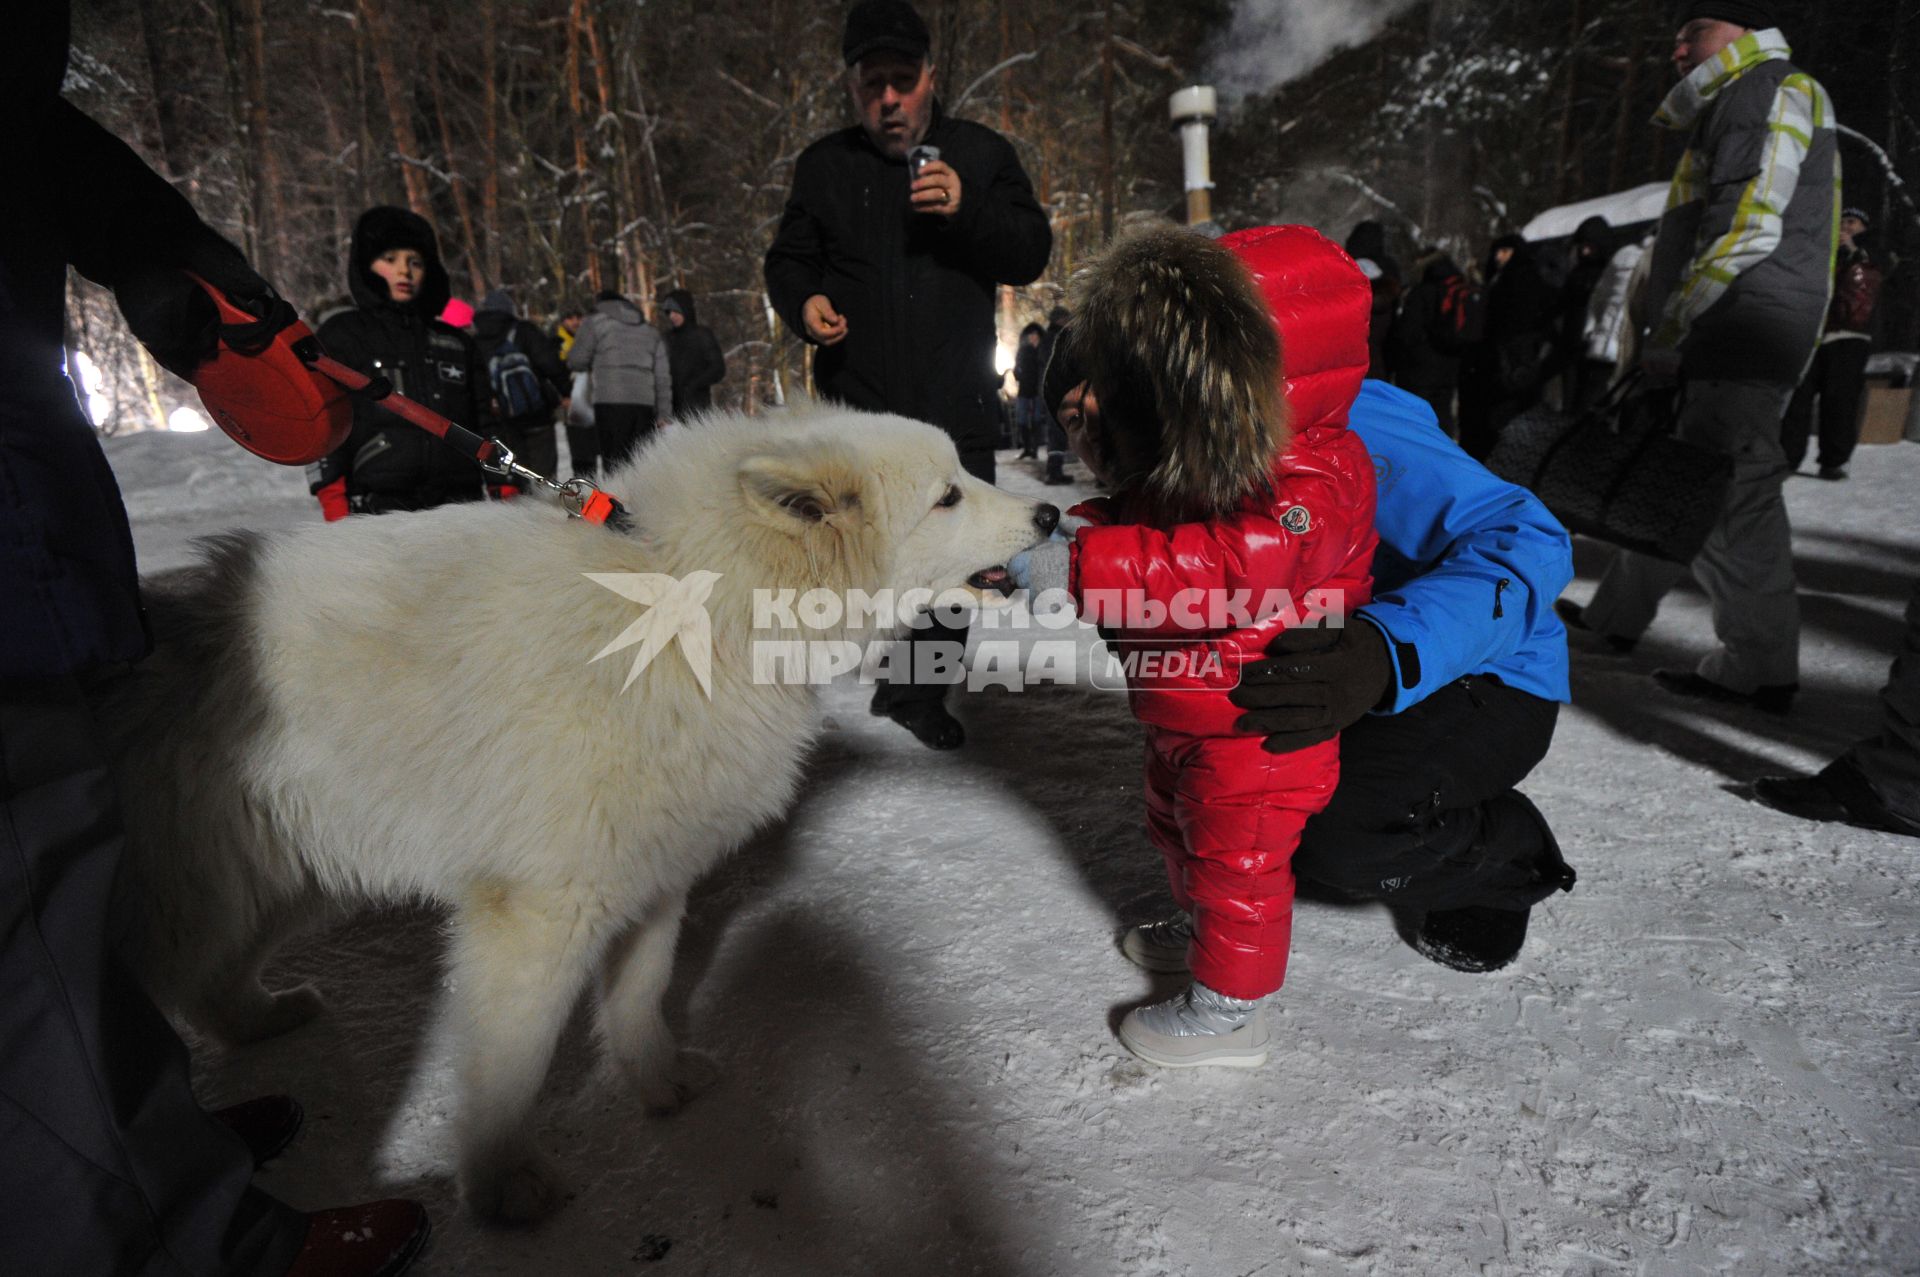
(1743, 266)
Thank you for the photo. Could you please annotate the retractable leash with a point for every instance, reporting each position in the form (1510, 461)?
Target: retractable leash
(264, 387)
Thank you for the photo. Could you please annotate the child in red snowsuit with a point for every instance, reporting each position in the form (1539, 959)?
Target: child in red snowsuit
(1241, 507)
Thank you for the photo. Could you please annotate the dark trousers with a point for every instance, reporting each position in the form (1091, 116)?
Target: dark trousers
(1838, 379)
(109, 1164)
(622, 427)
(533, 443)
(1425, 816)
(583, 448)
(919, 645)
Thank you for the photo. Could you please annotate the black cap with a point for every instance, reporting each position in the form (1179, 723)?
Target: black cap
(884, 24)
(1742, 13)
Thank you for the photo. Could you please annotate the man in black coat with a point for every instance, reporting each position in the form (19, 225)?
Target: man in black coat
(892, 275)
(1503, 376)
(110, 1166)
(1440, 318)
(693, 354)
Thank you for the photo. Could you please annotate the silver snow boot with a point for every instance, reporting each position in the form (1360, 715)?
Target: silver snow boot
(1159, 946)
(1196, 1027)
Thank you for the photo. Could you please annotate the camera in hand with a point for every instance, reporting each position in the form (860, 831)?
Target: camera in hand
(918, 158)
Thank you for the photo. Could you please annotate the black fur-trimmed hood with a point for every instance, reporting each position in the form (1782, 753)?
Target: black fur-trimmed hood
(385, 227)
(1176, 341)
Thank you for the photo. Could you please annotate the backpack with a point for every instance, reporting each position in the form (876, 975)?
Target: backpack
(1855, 290)
(516, 386)
(1462, 318)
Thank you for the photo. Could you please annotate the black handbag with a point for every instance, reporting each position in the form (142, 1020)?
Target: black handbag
(1617, 472)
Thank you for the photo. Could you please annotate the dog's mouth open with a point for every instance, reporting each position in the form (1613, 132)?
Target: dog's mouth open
(993, 583)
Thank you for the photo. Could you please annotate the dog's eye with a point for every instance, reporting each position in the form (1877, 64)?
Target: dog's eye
(949, 498)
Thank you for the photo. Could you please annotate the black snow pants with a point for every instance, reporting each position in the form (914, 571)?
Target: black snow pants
(1426, 817)
(109, 1166)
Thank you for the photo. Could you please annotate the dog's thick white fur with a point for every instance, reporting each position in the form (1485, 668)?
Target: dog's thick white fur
(407, 708)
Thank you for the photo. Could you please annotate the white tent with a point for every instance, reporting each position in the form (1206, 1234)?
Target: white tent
(1623, 208)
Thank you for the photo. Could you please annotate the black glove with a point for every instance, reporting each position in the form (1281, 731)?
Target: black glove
(175, 319)
(1314, 684)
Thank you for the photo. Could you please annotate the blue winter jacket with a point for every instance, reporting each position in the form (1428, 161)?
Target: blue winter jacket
(1469, 565)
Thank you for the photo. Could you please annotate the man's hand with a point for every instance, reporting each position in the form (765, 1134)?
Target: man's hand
(825, 325)
(175, 319)
(936, 190)
(1315, 684)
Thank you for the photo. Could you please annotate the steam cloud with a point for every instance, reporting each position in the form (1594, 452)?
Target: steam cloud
(1270, 42)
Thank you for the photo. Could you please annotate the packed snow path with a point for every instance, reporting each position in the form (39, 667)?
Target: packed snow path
(1702, 1062)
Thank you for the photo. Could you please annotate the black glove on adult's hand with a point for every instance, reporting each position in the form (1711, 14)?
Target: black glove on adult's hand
(1314, 684)
(175, 319)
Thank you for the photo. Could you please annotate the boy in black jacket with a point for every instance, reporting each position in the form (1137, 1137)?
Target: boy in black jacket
(399, 285)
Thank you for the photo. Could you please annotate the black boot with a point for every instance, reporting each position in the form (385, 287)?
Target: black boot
(1057, 467)
(265, 1125)
(1839, 793)
(1488, 935)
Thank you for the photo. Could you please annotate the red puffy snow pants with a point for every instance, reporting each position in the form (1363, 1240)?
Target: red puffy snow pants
(1227, 816)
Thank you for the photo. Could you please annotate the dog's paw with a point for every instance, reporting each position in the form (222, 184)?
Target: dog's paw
(519, 1191)
(671, 1089)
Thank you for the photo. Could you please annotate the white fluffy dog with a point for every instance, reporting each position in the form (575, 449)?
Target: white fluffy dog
(407, 707)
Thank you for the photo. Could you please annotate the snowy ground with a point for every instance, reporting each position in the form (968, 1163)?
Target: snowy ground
(1701, 1064)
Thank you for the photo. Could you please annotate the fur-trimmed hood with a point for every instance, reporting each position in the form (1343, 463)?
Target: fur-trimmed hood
(1174, 337)
(1321, 304)
(385, 227)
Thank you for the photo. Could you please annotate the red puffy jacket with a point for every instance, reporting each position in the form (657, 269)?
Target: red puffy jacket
(1310, 538)
(1225, 814)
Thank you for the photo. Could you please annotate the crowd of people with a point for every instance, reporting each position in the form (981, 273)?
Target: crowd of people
(1528, 325)
(1379, 758)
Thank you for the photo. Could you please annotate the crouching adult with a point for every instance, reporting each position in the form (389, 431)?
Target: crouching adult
(1444, 690)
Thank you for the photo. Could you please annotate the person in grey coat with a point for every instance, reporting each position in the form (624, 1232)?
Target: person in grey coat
(1741, 271)
(627, 364)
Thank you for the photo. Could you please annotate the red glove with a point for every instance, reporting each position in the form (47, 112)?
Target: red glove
(333, 500)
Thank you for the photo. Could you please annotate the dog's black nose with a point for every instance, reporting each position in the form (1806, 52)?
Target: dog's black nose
(1046, 518)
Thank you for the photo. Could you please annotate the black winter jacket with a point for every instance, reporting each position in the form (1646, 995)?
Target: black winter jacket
(1427, 340)
(917, 289)
(389, 463)
(693, 356)
(1521, 312)
(69, 592)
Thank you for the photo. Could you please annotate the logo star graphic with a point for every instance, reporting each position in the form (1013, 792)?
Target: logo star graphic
(676, 610)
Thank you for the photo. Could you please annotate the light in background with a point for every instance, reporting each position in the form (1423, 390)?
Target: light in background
(86, 374)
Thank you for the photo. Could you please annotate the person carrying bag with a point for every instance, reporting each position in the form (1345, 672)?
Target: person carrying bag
(1619, 473)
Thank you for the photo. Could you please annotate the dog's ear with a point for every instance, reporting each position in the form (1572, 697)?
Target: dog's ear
(793, 494)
